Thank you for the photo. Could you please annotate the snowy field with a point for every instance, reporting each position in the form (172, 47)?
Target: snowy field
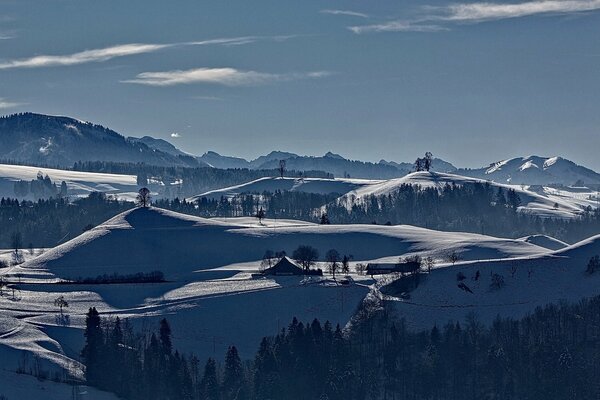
(308, 185)
(78, 183)
(529, 282)
(210, 298)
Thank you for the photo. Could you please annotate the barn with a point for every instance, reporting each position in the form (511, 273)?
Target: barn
(285, 266)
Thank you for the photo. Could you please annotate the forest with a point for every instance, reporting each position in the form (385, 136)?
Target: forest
(553, 352)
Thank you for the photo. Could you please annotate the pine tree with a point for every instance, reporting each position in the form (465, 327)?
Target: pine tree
(94, 347)
(233, 374)
(210, 382)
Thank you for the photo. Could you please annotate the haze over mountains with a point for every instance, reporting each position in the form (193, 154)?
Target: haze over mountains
(61, 141)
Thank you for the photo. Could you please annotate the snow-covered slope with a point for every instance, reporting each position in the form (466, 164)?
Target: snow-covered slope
(529, 282)
(271, 184)
(153, 239)
(78, 183)
(534, 170)
(539, 200)
(545, 241)
(210, 298)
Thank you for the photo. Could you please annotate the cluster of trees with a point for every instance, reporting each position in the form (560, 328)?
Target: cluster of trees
(137, 366)
(278, 204)
(552, 353)
(40, 188)
(477, 208)
(105, 279)
(47, 223)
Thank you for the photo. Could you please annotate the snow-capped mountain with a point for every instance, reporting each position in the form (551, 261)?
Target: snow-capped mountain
(61, 141)
(535, 170)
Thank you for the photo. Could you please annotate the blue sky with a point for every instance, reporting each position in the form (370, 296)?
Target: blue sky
(471, 82)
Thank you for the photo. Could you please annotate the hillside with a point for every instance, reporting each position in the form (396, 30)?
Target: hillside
(61, 141)
(540, 200)
(208, 265)
(270, 184)
(78, 183)
(529, 282)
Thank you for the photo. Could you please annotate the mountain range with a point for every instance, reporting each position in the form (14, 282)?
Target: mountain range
(38, 139)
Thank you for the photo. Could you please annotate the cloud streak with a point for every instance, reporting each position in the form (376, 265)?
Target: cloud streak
(345, 12)
(8, 104)
(438, 18)
(219, 76)
(398, 26)
(479, 12)
(108, 53)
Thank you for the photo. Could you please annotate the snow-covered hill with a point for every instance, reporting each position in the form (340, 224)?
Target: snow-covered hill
(78, 183)
(210, 297)
(270, 184)
(538, 200)
(529, 282)
(535, 170)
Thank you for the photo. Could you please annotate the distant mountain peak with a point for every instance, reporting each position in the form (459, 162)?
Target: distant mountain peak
(329, 154)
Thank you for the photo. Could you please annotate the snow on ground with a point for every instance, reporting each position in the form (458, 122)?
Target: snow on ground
(529, 282)
(78, 183)
(181, 246)
(545, 241)
(271, 184)
(539, 200)
(24, 387)
(211, 298)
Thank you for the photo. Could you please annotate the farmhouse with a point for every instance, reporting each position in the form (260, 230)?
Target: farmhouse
(285, 266)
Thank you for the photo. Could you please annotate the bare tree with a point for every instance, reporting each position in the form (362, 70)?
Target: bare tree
(282, 165)
(333, 261)
(453, 257)
(268, 260)
(143, 197)
(260, 214)
(360, 268)
(61, 303)
(16, 240)
(346, 264)
(306, 256)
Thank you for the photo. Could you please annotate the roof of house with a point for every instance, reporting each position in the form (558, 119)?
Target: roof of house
(285, 266)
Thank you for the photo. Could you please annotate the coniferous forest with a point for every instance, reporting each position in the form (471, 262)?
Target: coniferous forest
(552, 353)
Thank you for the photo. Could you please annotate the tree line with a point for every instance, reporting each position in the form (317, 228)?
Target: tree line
(553, 352)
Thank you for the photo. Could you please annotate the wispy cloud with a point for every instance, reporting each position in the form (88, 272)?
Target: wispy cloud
(220, 76)
(6, 36)
(398, 26)
(438, 18)
(175, 135)
(83, 57)
(478, 12)
(8, 104)
(107, 53)
(345, 12)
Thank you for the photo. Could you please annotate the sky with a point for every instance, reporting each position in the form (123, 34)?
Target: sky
(472, 82)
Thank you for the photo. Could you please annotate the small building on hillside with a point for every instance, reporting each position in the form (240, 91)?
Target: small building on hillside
(285, 267)
(407, 267)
